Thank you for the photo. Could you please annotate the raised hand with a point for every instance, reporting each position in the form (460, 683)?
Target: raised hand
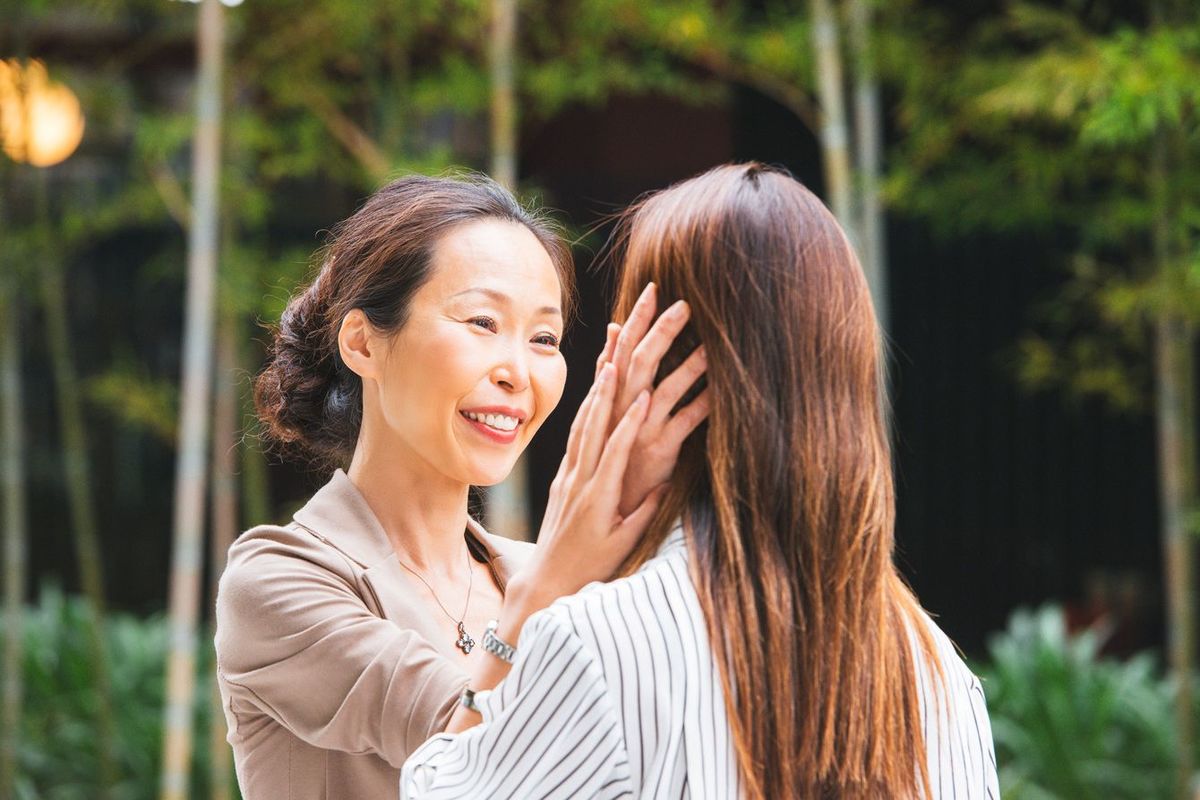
(583, 537)
(636, 349)
(622, 447)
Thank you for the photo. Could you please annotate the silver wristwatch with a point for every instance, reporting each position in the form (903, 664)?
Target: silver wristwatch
(495, 645)
(467, 699)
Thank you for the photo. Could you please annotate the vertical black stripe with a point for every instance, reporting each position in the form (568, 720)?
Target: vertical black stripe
(653, 648)
(632, 695)
(670, 644)
(611, 655)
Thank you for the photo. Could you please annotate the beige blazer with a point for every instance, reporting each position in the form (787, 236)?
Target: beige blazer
(325, 664)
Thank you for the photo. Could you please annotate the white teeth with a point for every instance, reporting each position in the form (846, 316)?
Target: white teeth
(497, 421)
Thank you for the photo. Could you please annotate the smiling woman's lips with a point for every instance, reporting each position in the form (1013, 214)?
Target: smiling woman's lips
(498, 410)
(498, 436)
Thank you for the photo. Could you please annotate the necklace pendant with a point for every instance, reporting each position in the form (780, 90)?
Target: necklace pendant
(465, 642)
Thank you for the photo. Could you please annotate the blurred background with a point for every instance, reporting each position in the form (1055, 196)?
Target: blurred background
(1019, 178)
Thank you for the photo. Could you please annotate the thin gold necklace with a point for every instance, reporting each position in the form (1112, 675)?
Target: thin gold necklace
(464, 642)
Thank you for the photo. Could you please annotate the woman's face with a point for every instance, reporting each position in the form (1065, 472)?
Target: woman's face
(476, 368)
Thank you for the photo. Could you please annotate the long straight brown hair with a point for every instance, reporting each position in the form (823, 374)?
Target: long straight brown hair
(786, 492)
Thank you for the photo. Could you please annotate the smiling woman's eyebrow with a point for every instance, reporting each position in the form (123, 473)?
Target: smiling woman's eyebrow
(501, 297)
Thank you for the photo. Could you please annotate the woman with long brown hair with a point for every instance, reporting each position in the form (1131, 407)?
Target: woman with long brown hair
(762, 643)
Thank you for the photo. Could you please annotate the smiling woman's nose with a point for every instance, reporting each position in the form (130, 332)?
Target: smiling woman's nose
(512, 373)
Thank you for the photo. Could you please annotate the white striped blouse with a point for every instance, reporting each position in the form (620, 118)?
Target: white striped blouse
(615, 693)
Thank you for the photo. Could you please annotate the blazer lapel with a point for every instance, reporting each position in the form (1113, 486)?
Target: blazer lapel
(338, 514)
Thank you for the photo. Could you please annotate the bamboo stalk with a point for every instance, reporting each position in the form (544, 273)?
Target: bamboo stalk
(868, 140)
(255, 483)
(502, 63)
(224, 527)
(77, 475)
(12, 445)
(1175, 388)
(507, 503)
(835, 152)
(188, 527)
(1175, 414)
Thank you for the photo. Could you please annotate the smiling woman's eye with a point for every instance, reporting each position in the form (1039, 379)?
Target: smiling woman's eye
(483, 322)
(548, 339)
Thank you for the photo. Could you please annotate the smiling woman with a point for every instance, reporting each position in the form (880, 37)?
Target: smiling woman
(420, 361)
(487, 353)
(375, 274)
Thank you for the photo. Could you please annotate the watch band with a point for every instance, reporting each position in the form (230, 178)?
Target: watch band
(497, 646)
(467, 699)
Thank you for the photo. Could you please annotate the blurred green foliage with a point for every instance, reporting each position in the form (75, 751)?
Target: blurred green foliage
(1077, 123)
(57, 759)
(325, 99)
(1070, 724)
(1035, 118)
(1042, 119)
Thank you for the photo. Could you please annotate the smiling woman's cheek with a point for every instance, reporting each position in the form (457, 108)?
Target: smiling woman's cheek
(431, 367)
(548, 378)
(476, 338)
(441, 354)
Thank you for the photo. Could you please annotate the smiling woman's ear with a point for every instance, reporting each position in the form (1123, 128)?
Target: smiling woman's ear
(358, 345)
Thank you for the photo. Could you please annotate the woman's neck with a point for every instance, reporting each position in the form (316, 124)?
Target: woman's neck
(422, 512)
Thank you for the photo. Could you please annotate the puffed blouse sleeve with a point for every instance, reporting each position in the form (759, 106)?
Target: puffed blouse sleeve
(296, 640)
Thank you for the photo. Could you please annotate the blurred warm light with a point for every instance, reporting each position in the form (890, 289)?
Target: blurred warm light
(41, 122)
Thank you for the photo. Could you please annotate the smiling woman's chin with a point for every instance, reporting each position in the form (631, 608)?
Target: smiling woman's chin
(490, 471)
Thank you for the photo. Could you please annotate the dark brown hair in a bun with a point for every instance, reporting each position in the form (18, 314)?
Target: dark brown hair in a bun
(308, 400)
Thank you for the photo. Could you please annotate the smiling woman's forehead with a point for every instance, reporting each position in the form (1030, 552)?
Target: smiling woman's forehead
(501, 297)
(496, 258)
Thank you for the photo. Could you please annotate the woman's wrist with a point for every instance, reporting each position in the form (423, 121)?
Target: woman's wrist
(521, 600)
(518, 605)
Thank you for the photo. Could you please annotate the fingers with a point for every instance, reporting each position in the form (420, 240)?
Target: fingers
(626, 535)
(610, 346)
(635, 327)
(643, 364)
(595, 423)
(686, 420)
(673, 387)
(575, 437)
(610, 471)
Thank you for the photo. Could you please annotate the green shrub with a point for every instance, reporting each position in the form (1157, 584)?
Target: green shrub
(1068, 724)
(58, 756)
(1071, 724)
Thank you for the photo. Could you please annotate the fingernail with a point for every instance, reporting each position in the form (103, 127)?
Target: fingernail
(677, 309)
(606, 372)
(642, 398)
(702, 354)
